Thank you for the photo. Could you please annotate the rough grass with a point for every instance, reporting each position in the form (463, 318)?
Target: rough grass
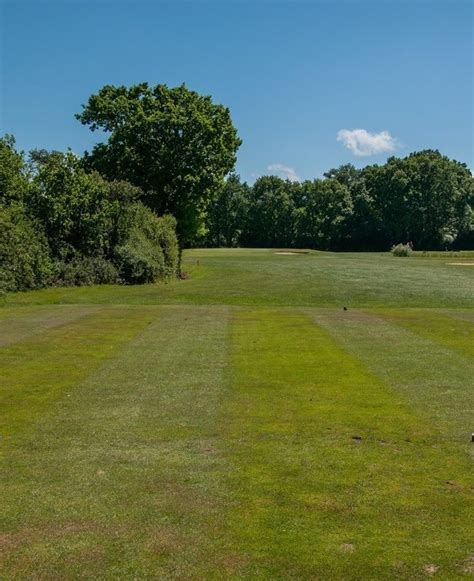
(224, 440)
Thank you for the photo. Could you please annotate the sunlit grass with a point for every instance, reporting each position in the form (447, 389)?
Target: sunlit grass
(241, 424)
(335, 474)
(263, 277)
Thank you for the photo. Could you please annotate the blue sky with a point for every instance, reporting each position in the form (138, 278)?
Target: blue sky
(299, 77)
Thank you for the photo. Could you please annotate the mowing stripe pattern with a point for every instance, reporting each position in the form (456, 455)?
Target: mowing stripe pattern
(334, 475)
(17, 326)
(205, 442)
(121, 478)
(36, 372)
(423, 356)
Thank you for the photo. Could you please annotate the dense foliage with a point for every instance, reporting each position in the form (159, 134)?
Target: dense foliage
(148, 247)
(424, 198)
(402, 250)
(25, 261)
(13, 181)
(227, 214)
(61, 224)
(173, 143)
(125, 211)
(74, 206)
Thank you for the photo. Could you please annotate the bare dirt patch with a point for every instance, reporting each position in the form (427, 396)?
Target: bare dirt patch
(347, 548)
(40, 534)
(468, 566)
(430, 569)
(166, 539)
(460, 263)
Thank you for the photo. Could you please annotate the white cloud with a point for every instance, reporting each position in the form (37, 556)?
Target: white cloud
(362, 142)
(284, 171)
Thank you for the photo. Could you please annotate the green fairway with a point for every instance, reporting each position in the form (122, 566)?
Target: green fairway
(241, 424)
(264, 277)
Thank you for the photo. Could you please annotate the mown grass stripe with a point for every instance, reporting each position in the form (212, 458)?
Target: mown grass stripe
(127, 470)
(456, 333)
(20, 324)
(35, 372)
(460, 314)
(420, 366)
(312, 500)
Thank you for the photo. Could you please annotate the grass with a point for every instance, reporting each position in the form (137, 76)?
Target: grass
(324, 461)
(264, 278)
(240, 424)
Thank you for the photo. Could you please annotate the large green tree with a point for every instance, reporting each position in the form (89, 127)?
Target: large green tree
(76, 208)
(364, 230)
(322, 219)
(270, 214)
(13, 175)
(425, 197)
(227, 213)
(173, 143)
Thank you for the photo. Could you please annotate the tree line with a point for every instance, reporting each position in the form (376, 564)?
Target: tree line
(424, 198)
(63, 225)
(162, 181)
(124, 211)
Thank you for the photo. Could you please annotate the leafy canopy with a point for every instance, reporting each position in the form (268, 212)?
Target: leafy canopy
(423, 197)
(13, 178)
(173, 143)
(74, 207)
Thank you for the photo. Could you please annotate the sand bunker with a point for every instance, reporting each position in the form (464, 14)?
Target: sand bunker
(289, 253)
(461, 263)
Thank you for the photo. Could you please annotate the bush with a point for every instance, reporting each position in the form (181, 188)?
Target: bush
(75, 207)
(138, 260)
(25, 261)
(148, 249)
(85, 271)
(402, 250)
(169, 243)
(61, 225)
(13, 182)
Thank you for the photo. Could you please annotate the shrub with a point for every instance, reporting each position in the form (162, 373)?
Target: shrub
(169, 243)
(148, 248)
(75, 207)
(13, 182)
(138, 260)
(85, 271)
(402, 250)
(62, 225)
(25, 261)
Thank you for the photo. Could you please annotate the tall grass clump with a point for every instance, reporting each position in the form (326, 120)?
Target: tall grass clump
(401, 250)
